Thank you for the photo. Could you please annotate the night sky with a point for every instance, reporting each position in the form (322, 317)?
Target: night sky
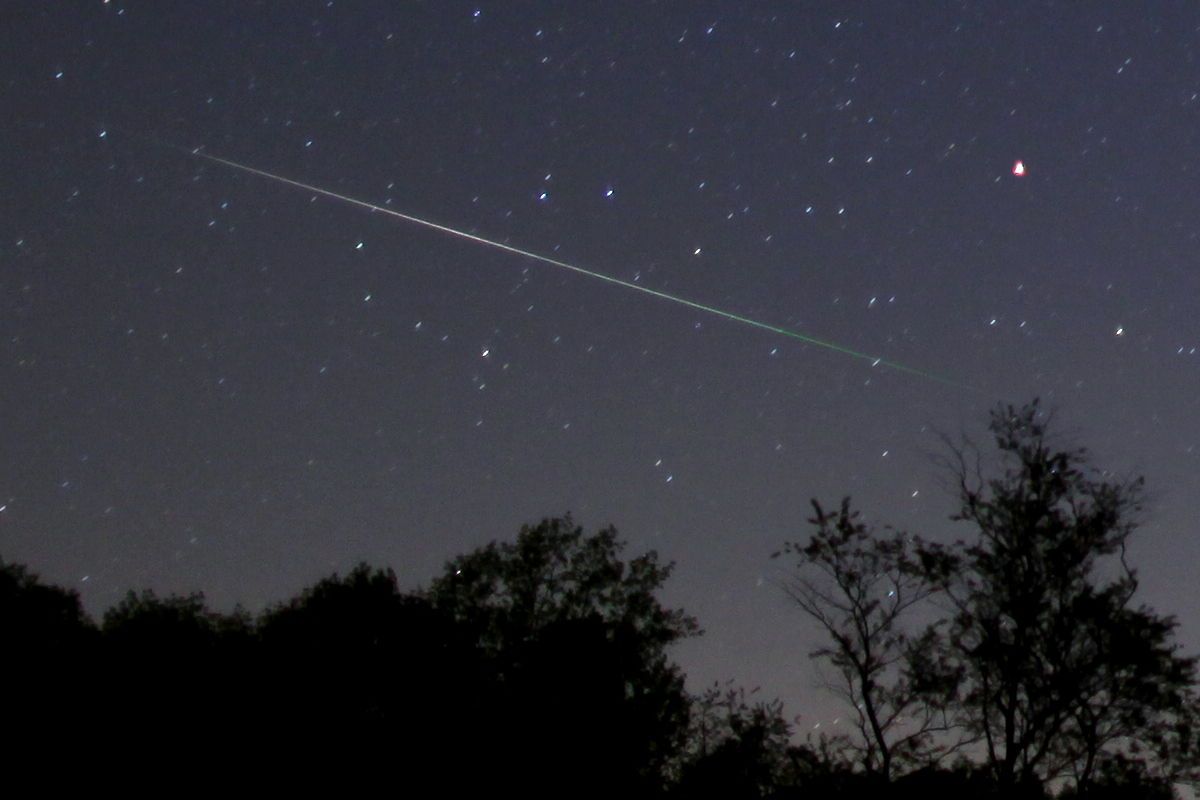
(213, 381)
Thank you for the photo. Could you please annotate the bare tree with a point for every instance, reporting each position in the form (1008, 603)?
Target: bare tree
(860, 588)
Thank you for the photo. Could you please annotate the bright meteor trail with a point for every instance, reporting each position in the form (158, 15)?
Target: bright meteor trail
(837, 348)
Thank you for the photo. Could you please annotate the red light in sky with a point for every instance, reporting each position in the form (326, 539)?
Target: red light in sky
(1019, 168)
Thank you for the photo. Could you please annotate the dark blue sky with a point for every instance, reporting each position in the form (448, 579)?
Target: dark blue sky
(213, 381)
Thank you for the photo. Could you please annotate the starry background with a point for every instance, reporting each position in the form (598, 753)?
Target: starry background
(212, 381)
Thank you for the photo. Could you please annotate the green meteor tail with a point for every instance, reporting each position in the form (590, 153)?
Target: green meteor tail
(837, 348)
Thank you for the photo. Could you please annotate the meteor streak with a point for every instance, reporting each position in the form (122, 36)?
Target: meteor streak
(554, 262)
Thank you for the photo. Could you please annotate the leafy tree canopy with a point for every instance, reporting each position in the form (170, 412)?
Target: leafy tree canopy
(553, 573)
(1056, 669)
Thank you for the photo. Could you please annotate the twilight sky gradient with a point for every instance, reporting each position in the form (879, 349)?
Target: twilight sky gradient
(209, 380)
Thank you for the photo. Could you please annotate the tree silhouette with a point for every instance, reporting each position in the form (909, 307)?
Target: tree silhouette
(576, 642)
(541, 667)
(1122, 778)
(35, 617)
(962, 779)
(735, 749)
(356, 671)
(1055, 669)
(859, 587)
(172, 675)
(182, 624)
(335, 645)
(45, 636)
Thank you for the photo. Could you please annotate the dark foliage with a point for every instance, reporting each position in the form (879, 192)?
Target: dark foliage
(526, 668)
(39, 618)
(171, 672)
(1057, 671)
(735, 749)
(541, 668)
(574, 643)
(45, 637)
(1039, 660)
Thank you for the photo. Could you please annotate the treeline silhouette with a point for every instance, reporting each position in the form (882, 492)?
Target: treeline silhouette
(541, 667)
